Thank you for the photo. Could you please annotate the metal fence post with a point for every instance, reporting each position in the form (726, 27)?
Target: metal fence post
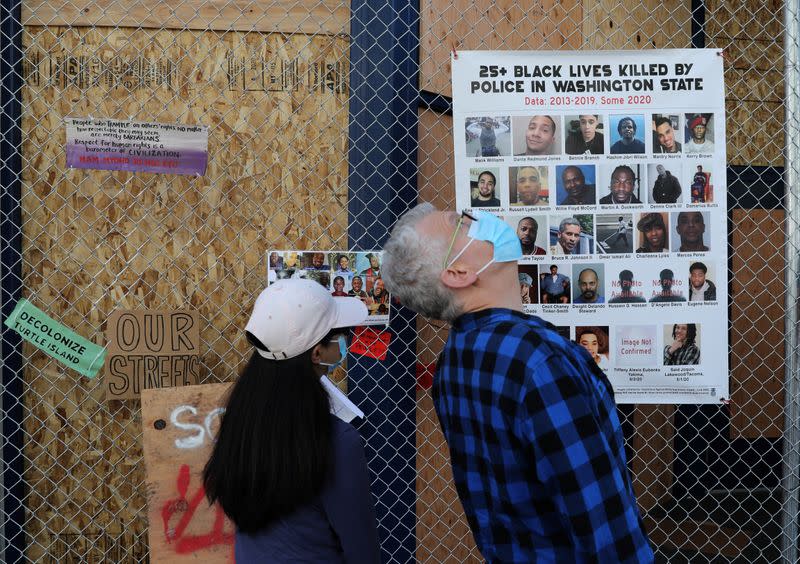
(384, 64)
(12, 513)
(791, 435)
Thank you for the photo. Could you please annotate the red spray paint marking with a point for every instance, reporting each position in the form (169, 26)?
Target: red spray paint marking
(192, 543)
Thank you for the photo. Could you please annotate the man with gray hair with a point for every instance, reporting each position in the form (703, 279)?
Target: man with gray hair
(569, 237)
(530, 420)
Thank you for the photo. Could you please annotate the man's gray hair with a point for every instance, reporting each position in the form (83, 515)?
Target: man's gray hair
(412, 265)
(567, 221)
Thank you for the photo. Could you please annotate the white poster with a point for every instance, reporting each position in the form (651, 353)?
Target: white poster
(610, 166)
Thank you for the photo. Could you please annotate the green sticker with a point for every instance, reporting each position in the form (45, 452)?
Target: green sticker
(60, 342)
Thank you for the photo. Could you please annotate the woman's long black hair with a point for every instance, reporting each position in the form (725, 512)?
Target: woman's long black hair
(273, 448)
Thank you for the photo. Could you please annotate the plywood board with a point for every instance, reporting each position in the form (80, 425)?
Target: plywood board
(745, 19)
(505, 25)
(757, 323)
(179, 425)
(648, 24)
(98, 241)
(287, 16)
(443, 534)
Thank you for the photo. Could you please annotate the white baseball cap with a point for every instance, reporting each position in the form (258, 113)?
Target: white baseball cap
(291, 316)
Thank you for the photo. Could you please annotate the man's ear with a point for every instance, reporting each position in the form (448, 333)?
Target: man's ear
(316, 354)
(456, 277)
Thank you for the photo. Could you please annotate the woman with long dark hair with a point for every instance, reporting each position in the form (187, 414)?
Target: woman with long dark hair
(683, 349)
(292, 477)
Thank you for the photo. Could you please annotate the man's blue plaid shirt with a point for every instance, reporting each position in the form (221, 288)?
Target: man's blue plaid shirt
(535, 443)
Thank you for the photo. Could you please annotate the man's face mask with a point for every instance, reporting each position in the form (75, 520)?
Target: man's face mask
(342, 354)
(488, 227)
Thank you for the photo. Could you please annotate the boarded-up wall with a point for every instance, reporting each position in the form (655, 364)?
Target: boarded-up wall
(751, 33)
(94, 241)
(757, 323)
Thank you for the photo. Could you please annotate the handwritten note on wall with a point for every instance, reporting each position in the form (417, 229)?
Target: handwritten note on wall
(151, 349)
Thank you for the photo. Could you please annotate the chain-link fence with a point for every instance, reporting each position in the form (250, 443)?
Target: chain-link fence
(326, 121)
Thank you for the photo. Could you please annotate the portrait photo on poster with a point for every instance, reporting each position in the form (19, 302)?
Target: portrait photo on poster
(488, 136)
(589, 285)
(701, 286)
(626, 287)
(691, 232)
(621, 183)
(698, 134)
(285, 264)
(571, 234)
(627, 134)
(316, 260)
(368, 267)
(341, 285)
(699, 177)
(554, 286)
(664, 182)
(528, 283)
(652, 232)
(529, 185)
(536, 135)
(666, 136)
(484, 188)
(532, 233)
(575, 185)
(594, 339)
(584, 134)
(615, 233)
(666, 286)
(342, 263)
(681, 344)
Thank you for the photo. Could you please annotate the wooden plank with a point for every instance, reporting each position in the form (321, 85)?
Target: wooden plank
(757, 323)
(653, 453)
(330, 17)
(435, 160)
(751, 54)
(745, 19)
(632, 24)
(484, 25)
(443, 534)
(755, 133)
(178, 428)
(705, 537)
(754, 85)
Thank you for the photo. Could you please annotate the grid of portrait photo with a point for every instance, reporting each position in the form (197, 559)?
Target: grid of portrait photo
(645, 346)
(551, 161)
(342, 273)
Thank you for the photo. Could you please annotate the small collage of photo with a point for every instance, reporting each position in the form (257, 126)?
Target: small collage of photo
(611, 235)
(343, 273)
(638, 346)
(519, 161)
(676, 283)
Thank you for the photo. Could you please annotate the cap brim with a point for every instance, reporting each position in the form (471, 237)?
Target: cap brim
(349, 312)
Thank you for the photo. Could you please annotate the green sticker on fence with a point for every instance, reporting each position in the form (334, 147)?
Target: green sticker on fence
(60, 342)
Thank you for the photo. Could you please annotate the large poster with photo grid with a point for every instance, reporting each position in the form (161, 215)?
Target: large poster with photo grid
(610, 166)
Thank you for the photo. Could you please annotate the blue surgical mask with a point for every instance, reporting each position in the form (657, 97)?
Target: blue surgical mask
(501, 235)
(342, 352)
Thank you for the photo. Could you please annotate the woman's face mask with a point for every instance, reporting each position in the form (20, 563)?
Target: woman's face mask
(342, 340)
